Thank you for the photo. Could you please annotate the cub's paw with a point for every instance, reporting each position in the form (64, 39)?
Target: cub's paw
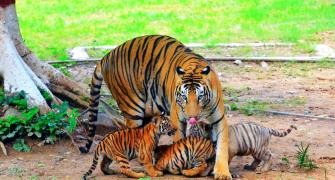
(155, 173)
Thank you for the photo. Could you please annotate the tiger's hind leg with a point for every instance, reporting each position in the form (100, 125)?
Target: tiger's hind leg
(200, 167)
(125, 168)
(104, 165)
(266, 158)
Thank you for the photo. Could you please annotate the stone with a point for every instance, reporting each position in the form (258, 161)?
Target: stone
(324, 50)
(265, 66)
(11, 112)
(238, 62)
(78, 53)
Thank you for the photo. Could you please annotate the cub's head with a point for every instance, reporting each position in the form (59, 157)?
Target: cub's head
(194, 94)
(200, 129)
(163, 124)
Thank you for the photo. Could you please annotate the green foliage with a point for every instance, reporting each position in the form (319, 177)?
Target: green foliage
(252, 107)
(285, 160)
(303, 160)
(63, 68)
(17, 100)
(46, 127)
(34, 177)
(69, 24)
(145, 178)
(21, 146)
(15, 171)
(46, 96)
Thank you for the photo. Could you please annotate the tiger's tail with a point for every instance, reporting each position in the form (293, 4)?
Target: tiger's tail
(96, 83)
(94, 164)
(284, 133)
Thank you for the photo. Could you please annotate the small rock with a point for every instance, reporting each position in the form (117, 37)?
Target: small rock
(292, 92)
(324, 50)
(265, 65)
(238, 62)
(330, 144)
(11, 112)
(78, 53)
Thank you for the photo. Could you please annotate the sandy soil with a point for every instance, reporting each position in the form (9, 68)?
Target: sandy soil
(276, 85)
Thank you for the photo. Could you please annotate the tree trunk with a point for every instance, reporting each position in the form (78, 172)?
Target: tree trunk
(13, 70)
(22, 70)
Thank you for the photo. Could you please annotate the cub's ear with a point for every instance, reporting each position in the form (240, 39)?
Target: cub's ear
(206, 70)
(180, 70)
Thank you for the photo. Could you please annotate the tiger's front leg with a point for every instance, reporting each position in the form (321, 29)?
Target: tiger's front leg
(221, 167)
(176, 124)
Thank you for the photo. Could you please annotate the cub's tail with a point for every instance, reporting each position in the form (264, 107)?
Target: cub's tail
(284, 133)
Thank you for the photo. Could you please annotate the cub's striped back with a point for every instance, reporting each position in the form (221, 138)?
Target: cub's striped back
(188, 156)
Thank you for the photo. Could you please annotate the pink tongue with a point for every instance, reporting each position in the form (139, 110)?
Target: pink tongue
(192, 121)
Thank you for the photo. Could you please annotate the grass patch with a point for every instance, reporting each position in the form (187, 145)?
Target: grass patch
(97, 53)
(15, 171)
(295, 101)
(50, 27)
(234, 92)
(303, 159)
(253, 107)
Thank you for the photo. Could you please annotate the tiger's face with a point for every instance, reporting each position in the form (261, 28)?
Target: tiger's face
(163, 124)
(193, 93)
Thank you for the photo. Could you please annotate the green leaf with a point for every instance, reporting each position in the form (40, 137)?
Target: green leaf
(38, 134)
(21, 146)
(12, 134)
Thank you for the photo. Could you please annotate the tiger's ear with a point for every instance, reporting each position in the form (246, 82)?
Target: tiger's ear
(180, 70)
(206, 70)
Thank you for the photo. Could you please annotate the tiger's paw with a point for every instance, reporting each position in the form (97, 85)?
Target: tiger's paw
(222, 177)
(189, 172)
(155, 173)
(221, 174)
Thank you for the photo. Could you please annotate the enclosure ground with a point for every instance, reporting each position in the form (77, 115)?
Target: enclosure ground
(302, 88)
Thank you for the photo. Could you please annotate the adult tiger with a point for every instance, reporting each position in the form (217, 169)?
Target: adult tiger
(151, 74)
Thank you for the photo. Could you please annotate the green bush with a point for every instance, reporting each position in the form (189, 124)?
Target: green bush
(46, 127)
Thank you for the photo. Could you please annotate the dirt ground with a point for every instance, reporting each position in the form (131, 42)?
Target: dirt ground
(301, 88)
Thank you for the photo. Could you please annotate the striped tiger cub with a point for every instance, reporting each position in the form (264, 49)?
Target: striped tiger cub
(248, 139)
(189, 156)
(124, 145)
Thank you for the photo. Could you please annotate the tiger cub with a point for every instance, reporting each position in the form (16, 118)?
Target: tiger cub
(188, 156)
(124, 145)
(248, 139)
